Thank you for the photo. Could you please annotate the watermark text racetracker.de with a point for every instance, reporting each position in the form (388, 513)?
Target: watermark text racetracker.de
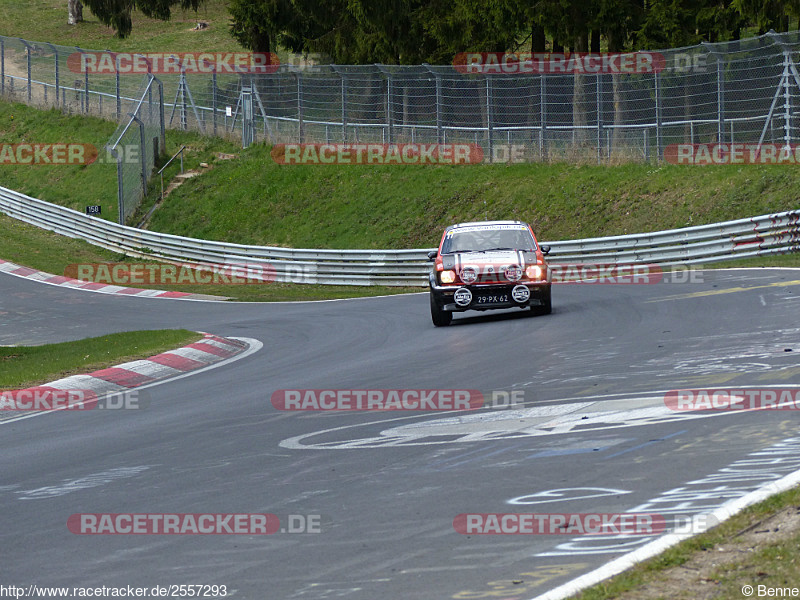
(621, 273)
(377, 154)
(67, 153)
(192, 523)
(44, 153)
(577, 63)
(547, 63)
(733, 399)
(45, 399)
(165, 63)
(129, 274)
(732, 154)
(559, 524)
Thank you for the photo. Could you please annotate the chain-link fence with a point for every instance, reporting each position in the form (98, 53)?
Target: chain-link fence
(136, 144)
(744, 92)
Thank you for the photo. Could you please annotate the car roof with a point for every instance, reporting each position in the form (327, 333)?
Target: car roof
(484, 223)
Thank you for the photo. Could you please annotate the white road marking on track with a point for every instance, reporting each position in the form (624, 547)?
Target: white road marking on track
(657, 546)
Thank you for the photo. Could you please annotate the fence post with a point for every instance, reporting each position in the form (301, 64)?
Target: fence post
(439, 136)
(659, 133)
(438, 81)
(214, 100)
(28, 62)
(120, 186)
(599, 118)
(85, 103)
(720, 101)
(543, 115)
(2, 66)
(787, 101)
(389, 103)
(247, 116)
(142, 153)
(300, 127)
(116, 81)
(55, 54)
(490, 118)
(343, 76)
(344, 108)
(161, 121)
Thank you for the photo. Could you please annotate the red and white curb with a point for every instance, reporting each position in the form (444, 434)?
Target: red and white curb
(102, 288)
(208, 353)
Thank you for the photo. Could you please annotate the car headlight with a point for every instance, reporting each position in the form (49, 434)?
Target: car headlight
(533, 271)
(448, 276)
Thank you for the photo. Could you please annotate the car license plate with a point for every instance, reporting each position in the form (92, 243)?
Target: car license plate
(491, 299)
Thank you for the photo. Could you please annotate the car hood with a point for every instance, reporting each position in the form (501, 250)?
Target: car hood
(491, 265)
(495, 257)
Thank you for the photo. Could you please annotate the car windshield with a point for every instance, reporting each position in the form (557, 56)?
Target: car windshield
(484, 239)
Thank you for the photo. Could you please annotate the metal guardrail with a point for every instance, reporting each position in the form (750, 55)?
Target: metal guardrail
(756, 236)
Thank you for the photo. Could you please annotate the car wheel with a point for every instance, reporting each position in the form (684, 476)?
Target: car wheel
(440, 318)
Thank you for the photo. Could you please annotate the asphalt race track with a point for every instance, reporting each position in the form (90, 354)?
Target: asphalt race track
(592, 436)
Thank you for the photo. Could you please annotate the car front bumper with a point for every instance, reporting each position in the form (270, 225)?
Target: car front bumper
(454, 298)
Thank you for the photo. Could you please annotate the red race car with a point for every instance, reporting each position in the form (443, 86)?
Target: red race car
(488, 265)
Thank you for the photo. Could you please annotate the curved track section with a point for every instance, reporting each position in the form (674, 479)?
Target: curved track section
(591, 435)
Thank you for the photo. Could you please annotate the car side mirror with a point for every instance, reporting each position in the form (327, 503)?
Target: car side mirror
(545, 249)
(432, 255)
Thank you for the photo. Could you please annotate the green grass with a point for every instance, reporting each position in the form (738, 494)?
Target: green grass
(770, 564)
(255, 201)
(24, 366)
(46, 21)
(76, 186)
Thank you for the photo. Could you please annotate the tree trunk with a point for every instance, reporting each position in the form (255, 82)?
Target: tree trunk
(75, 12)
(538, 40)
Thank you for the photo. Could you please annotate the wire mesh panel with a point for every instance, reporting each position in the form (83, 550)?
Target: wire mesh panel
(136, 144)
